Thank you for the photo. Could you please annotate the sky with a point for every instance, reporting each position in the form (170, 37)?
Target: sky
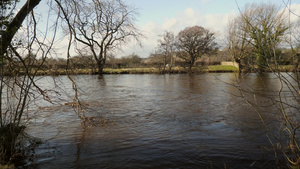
(157, 16)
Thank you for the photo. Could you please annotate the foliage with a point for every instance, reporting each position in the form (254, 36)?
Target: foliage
(263, 26)
(9, 134)
(193, 42)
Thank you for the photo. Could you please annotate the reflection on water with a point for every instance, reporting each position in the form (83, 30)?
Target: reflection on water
(155, 121)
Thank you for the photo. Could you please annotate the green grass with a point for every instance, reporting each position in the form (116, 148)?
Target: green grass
(286, 68)
(131, 71)
(281, 68)
(221, 68)
(151, 70)
(216, 68)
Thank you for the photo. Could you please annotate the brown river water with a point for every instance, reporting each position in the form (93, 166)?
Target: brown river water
(154, 121)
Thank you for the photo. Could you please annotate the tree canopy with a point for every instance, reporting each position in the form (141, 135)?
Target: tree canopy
(263, 27)
(102, 26)
(195, 41)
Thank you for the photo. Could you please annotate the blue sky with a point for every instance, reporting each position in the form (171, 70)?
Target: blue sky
(158, 10)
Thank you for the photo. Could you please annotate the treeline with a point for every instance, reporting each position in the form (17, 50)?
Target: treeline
(134, 61)
(130, 61)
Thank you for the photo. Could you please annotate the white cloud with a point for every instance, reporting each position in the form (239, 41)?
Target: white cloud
(189, 17)
(169, 23)
(189, 12)
(151, 31)
(205, 1)
(295, 12)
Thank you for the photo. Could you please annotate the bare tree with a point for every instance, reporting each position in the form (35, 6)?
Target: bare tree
(238, 43)
(18, 57)
(195, 41)
(166, 48)
(157, 60)
(103, 26)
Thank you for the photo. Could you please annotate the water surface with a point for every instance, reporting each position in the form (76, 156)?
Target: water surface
(154, 121)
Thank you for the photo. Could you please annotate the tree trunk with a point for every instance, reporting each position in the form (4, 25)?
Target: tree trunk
(16, 23)
(172, 63)
(164, 67)
(296, 62)
(190, 67)
(240, 65)
(191, 64)
(100, 64)
(261, 62)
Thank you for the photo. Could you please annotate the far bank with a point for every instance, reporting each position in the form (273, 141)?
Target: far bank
(148, 70)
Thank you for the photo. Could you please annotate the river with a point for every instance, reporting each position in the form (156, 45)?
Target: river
(153, 121)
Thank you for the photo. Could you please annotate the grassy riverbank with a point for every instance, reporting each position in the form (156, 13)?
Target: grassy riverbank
(151, 70)
(175, 70)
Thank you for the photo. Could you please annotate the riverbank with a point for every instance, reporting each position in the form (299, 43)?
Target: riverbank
(176, 70)
(152, 70)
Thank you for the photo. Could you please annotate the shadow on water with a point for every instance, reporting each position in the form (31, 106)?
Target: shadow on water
(157, 121)
(102, 81)
(79, 145)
